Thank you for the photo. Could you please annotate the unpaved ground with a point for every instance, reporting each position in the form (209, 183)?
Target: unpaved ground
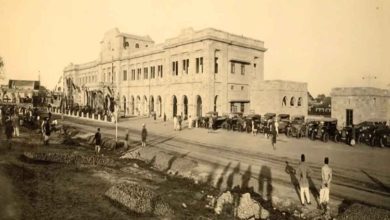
(42, 190)
(46, 190)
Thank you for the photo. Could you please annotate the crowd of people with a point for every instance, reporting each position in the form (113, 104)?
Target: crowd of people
(13, 117)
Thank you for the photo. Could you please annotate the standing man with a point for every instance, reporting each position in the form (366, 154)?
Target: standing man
(9, 130)
(16, 123)
(144, 134)
(180, 120)
(303, 172)
(326, 172)
(274, 134)
(127, 139)
(98, 141)
(276, 126)
(47, 131)
(189, 121)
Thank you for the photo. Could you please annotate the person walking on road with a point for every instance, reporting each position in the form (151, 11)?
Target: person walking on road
(144, 134)
(326, 173)
(189, 122)
(98, 141)
(127, 139)
(303, 172)
(9, 130)
(274, 134)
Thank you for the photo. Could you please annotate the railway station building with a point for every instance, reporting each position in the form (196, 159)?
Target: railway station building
(194, 73)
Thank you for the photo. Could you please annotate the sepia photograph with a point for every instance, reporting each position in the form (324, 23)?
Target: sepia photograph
(195, 109)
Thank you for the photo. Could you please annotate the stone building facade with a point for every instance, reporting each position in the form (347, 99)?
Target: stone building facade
(352, 105)
(280, 97)
(191, 74)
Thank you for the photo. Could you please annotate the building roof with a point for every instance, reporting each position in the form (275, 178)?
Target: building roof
(136, 37)
(25, 84)
(359, 91)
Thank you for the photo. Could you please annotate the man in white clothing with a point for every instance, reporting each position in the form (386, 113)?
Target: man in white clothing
(325, 187)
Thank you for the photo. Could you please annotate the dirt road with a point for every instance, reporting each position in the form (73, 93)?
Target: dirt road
(360, 173)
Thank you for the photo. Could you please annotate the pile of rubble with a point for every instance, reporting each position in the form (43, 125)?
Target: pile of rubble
(69, 158)
(361, 212)
(244, 207)
(139, 199)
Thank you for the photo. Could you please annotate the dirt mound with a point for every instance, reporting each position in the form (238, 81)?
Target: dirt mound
(362, 212)
(70, 158)
(139, 199)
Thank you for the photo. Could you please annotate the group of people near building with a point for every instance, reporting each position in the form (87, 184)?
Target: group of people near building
(303, 173)
(97, 139)
(11, 121)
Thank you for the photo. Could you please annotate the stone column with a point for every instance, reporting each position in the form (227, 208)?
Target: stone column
(105, 117)
(98, 117)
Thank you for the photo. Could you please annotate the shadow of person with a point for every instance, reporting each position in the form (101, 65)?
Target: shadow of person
(246, 177)
(294, 181)
(314, 191)
(265, 184)
(230, 179)
(221, 177)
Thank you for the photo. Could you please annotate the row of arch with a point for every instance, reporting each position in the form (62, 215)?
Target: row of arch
(293, 101)
(142, 105)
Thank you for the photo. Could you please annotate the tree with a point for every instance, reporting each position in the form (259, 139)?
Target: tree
(1, 63)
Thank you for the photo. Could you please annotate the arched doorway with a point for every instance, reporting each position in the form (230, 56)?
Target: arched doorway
(185, 106)
(198, 106)
(159, 106)
(216, 104)
(151, 104)
(174, 106)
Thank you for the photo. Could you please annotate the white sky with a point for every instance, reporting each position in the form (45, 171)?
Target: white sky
(327, 43)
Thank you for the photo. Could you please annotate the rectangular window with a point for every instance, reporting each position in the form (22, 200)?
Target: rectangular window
(186, 64)
(242, 107)
(175, 68)
(124, 75)
(145, 73)
(162, 71)
(199, 65)
(138, 73)
(242, 69)
(215, 64)
(232, 67)
(152, 72)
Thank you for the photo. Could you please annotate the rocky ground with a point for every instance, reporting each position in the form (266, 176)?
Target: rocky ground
(66, 180)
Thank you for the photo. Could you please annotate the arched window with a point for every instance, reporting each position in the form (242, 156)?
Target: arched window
(136, 45)
(300, 101)
(292, 101)
(284, 101)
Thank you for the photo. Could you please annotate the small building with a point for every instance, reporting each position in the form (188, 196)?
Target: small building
(352, 105)
(280, 97)
(19, 92)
